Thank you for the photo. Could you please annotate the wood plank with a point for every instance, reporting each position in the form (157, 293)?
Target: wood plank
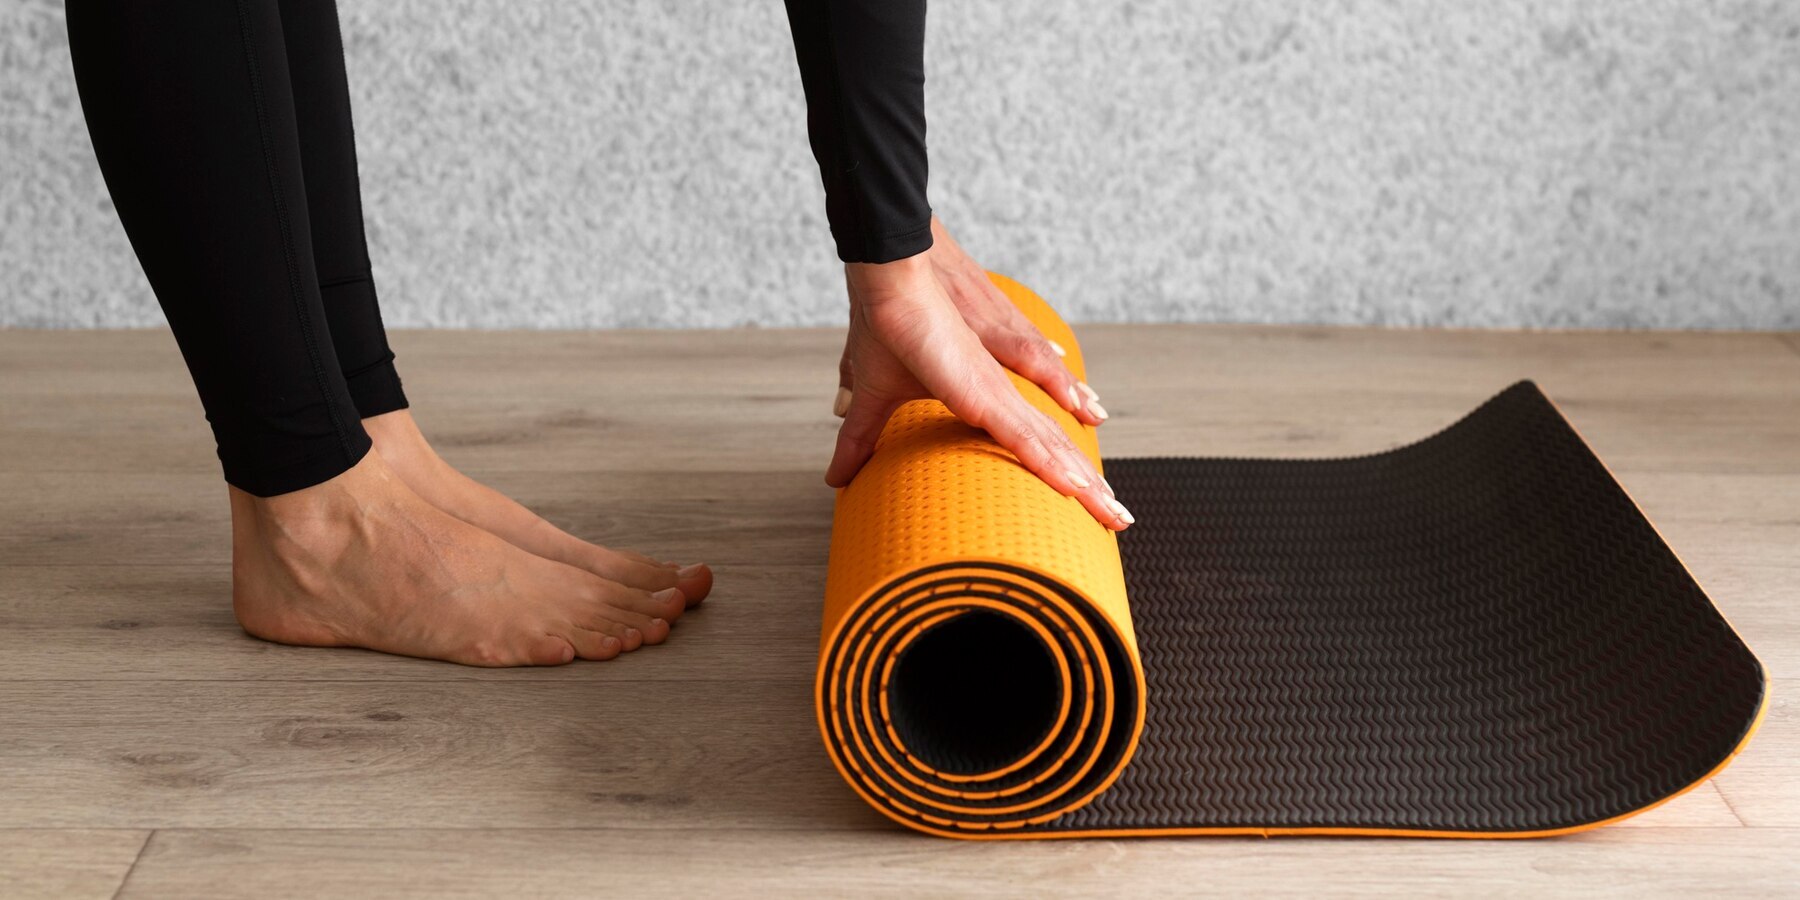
(722, 517)
(174, 623)
(1763, 785)
(447, 752)
(631, 401)
(1671, 862)
(66, 864)
(535, 752)
(149, 519)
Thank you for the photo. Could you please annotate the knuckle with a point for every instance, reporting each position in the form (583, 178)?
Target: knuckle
(1028, 445)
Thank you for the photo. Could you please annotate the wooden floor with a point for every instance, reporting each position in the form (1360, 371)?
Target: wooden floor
(148, 748)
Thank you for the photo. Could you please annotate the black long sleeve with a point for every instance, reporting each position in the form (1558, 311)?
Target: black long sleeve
(862, 63)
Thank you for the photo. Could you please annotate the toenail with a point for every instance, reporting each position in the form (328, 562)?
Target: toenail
(609, 643)
(690, 571)
(659, 622)
(632, 634)
(668, 595)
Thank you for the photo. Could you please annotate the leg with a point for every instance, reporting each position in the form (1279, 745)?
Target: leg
(194, 123)
(191, 120)
(315, 54)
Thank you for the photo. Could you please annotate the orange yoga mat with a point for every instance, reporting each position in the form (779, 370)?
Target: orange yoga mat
(1477, 635)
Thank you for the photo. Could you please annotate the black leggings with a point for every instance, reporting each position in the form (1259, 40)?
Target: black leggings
(223, 130)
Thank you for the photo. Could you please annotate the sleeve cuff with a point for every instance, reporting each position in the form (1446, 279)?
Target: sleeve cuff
(855, 248)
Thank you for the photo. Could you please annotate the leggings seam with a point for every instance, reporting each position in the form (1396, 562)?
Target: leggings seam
(289, 254)
(843, 128)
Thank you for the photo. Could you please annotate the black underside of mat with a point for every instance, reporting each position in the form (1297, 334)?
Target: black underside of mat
(1479, 632)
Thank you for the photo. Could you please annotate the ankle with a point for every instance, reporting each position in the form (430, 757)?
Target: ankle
(318, 510)
(397, 438)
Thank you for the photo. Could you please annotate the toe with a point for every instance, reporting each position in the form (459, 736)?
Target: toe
(616, 626)
(650, 629)
(695, 582)
(549, 650)
(666, 604)
(590, 644)
(647, 576)
(633, 616)
(646, 559)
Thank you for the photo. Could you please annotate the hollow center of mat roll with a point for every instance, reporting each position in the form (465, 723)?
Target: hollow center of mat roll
(974, 693)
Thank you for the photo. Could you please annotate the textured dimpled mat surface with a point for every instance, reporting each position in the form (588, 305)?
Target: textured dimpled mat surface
(1476, 635)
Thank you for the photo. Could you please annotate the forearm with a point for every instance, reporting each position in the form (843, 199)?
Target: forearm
(862, 64)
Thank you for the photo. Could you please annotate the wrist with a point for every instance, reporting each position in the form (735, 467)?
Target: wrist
(873, 282)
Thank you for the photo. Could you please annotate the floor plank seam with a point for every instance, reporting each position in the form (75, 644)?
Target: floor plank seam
(874, 829)
(379, 681)
(120, 890)
(1729, 806)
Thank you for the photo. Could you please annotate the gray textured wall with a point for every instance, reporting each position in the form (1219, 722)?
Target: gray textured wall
(641, 163)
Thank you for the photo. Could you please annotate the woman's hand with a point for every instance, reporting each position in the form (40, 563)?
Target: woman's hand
(1005, 331)
(912, 338)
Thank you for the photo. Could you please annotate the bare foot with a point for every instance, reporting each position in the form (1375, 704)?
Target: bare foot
(398, 439)
(363, 561)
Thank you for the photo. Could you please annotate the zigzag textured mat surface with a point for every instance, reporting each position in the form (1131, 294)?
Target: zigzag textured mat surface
(1477, 635)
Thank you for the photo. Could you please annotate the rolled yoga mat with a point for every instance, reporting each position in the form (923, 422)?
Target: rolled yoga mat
(1478, 635)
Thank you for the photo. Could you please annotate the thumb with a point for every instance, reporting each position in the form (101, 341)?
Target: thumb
(846, 383)
(868, 413)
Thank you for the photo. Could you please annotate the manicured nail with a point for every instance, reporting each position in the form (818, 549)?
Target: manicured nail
(1057, 349)
(1118, 509)
(1074, 398)
(1092, 397)
(1098, 410)
(1076, 479)
(1107, 487)
(686, 572)
(667, 594)
(842, 404)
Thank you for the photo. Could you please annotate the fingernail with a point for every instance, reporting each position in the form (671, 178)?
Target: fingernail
(1057, 349)
(667, 594)
(1107, 487)
(1076, 479)
(1074, 398)
(1118, 509)
(1098, 410)
(842, 404)
(1092, 397)
(686, 572)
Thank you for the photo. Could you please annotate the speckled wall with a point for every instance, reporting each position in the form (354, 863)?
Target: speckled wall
(643, 163)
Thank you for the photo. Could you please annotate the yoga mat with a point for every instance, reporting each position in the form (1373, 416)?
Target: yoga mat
(1477, 635)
